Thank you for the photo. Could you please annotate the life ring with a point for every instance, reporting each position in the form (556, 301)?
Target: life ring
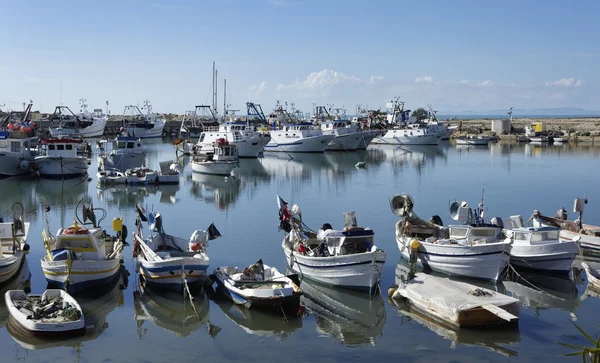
(76, 230)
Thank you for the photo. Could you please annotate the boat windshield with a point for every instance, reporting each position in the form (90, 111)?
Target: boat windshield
(483, 232)
(521, 236)
(544, 236)
(458, 232)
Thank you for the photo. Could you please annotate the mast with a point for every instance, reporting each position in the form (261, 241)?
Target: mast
(214, 95)
(216, 87)
(224, 96)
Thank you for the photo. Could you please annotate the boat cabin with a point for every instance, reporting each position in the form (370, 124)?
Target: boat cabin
(332, 125)
(473, 234)
(122, 145)
(59, 147)
(535, 236)
(18, 142)
(77, 242)
(224, 151)
(347, 242)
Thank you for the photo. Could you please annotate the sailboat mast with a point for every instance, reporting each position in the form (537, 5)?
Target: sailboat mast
(214, 99)
(224, 96)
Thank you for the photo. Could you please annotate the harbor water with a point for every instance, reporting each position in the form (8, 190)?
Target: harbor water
(127, 323)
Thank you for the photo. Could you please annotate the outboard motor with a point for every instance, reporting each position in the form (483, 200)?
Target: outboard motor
(497, 221)
(326, 226)
(561, 214)
(436, 220)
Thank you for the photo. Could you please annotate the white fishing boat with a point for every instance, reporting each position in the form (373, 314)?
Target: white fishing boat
(345, 258)
(259, 286)
(18, 146)
(541, 249)
(111, 176)
(120, 153)
(53, 313)
(587, 236)
(169, 262)
(457, 304)
(192, 126)
(473, 140)
(593, 276)
(13, 243)
(221, 161)
(298, 138)
(411, 134)
(249, 142)
(58, 158)
(345, 137)
(85, 124)
(561, 139)
(80, 258)
(475, 250)
(143, 126)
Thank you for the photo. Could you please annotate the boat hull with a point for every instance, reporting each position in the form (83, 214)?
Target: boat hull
(168, 274)
(360, 271)
(427, 139)
(120, 161)
(366, 140)
(347, 142)
(56, 167)
(248, 147)
(84, 274)
(147, 133)
(214, 168)
(314, 144)
(10, 265)
(590, 245)
(555, 257)
(484, 261)
(96, 129)
(14, 165)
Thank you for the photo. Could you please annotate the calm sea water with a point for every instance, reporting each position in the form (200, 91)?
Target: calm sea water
(133, 325)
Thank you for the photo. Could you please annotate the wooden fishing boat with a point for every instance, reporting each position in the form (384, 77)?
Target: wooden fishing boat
(55, 312)
(456, 303)
(259, 286)
(79, 258)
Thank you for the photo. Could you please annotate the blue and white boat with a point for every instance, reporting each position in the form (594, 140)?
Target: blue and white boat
(169, 262)
(259, 286)
(13, 244)
(120, 153)
(80, 258)
(345, 258)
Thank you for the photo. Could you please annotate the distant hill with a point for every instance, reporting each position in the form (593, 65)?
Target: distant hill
(558, 111)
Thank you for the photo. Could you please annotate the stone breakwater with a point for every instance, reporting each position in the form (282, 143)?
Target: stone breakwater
(575, 124)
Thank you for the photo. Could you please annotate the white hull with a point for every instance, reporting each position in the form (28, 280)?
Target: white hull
(144, 133)
(472, 142)
(480, 261)
(366, 140)
(556, 257)
(314, 144)
(249, 147)
(214, 167)
(83, 274)
(9, 265)
(56, 167)
(167, 274)
(348, 142)
(396, 139)
(14, 164)
(94, 130)
(590, 245)
(360, 271)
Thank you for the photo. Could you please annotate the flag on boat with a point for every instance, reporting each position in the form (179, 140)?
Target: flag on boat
(284, 215)
(141, 213)
(213, 232)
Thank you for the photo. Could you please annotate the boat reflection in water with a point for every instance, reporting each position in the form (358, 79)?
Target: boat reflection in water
(543, 291)
(64, 193)
(255, 322)
(407, 155)
(96, 307)
(125, 197)
(283, 167)
(21, 281)
(493, 339)
(214, 189)
(171, 311)
(352, 317)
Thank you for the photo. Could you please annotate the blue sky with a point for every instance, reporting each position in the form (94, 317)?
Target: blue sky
(455, 55)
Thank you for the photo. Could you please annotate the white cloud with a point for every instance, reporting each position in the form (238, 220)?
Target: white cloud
(514, 85)
(319, 80)
(566, 82)
(486, 83)
(465, 81)
(259, 89)
(375, 79)
(426, 79)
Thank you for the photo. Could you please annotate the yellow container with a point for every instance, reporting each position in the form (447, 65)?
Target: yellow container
(117, 224)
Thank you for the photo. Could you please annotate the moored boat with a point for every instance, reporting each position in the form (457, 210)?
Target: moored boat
(80, 258)
(259, 286)
(476, 249)
(346, 258)
(170, 262)
(593, 276)
(13, 243)
(221, 161)
(52, 313)
(18, 146)
(473, 140)
(143, 126)
(58, 158)
(120, 153)
(66, 123)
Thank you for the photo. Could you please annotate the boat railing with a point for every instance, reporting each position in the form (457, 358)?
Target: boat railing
(211, 129)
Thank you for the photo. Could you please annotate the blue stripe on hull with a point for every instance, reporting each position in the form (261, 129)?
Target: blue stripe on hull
(188, 268)
(338, 266)
(81, 286)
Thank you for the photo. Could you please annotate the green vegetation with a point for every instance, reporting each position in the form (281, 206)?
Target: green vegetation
(420, 113)
(587, 354)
